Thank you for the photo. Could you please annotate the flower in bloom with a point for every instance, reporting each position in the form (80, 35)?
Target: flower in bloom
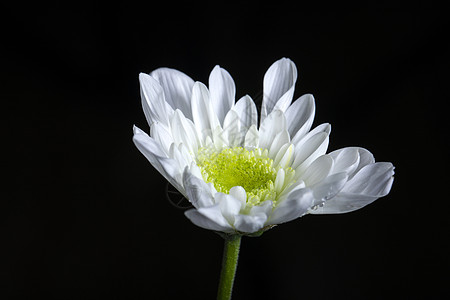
(244, 178)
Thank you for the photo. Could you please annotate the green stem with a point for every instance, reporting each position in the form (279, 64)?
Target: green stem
(229, 265)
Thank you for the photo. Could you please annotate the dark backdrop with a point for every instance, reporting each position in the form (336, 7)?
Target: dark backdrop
(84, 215)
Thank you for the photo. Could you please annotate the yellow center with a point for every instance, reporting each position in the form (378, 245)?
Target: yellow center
(252, 170)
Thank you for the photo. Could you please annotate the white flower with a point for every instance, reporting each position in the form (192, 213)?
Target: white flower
(242, 178)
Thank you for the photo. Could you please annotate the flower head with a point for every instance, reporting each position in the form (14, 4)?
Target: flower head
(241, 177)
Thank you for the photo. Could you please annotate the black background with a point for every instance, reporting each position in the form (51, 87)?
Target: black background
(84, 215)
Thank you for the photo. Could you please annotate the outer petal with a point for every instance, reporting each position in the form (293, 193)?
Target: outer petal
(177, 88)
(223, 91)
(209, 218)
(278, 86)
(152, 151)
(300, 116)
(370, 183)
(155, 107)
(294, 206)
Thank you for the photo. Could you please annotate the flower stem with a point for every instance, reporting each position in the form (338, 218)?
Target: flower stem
(229, 265)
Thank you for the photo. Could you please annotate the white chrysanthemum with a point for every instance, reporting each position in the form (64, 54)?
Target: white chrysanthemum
(242, 178)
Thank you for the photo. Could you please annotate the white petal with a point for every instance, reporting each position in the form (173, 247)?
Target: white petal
(181, 155)
(297, 185)
(152, 151)
(197, 191)
(278, 86)
(282, 138)
(318, 170)
(246, 110)
(223, 91)
(343, 203)
(285, 156)
(229, 206)
(251, 138)
(239, 193)
(298, 140)
(162, 136)
(232, 133)
(264, 207)
(306, 153)
(219, 138)
(271, 126)
(296, 205)
(328, 187)
(205, 119)
(300, 115)
(155, 107)
(346, 160)
(177, 88)
(195, 170)
(279, 181)
(209, 218)
(372, 182)
(183, 131)
(250, 223)
(175, 154)
(365, 158)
